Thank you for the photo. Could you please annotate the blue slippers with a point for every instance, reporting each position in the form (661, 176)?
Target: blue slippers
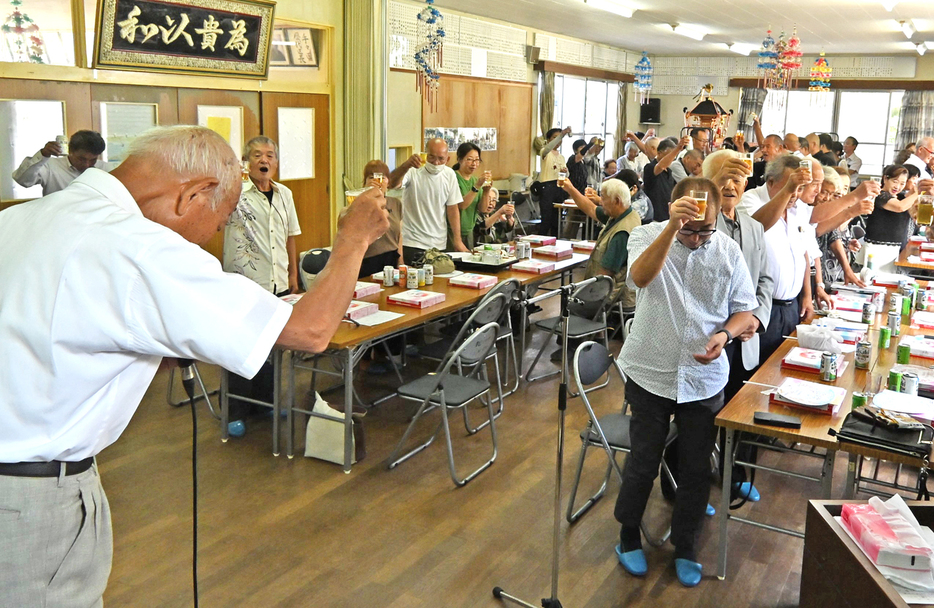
(710, 510)
(689, 573)
(633, 561)
(746, 490)
(236, 428)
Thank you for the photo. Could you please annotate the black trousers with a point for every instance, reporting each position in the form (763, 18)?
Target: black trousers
(551, 194)
(738, 373)
(376, 263)
(647, 432)
(783, 320)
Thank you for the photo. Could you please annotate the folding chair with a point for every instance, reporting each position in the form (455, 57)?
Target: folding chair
(436, 351)
(610, 432)
(446, 390)
(588, 318)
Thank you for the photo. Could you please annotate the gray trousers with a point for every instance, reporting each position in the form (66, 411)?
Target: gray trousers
(56, 542)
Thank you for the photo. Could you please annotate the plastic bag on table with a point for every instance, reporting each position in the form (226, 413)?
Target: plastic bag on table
(819, 338)
(887, 536)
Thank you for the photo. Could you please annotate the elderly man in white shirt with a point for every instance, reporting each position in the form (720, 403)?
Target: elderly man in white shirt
(430, 201)
(923, 156)
(850, 161)
(110, 279)
(693, 295)
(259, 243)
(54, 168)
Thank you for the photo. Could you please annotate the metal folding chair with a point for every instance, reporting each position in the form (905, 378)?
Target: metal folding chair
(610, 432)
(588, 318)
(446, 390)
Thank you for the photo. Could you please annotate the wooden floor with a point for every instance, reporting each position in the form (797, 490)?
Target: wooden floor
(279, 532)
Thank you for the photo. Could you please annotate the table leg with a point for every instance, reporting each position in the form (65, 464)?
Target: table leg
(523, 320)
(348, 409)
(225, 406)
(289, 403)
(276, 396)
(560, 222)
(826, 474)
(727, 457)
(849, 490)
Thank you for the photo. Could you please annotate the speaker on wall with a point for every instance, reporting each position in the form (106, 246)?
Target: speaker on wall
(651, 112)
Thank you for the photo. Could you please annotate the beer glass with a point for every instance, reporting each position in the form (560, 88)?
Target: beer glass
(748, 159)
(562, 175)
(925, 209)
(245, 170)
(351, 195)
(700, 196)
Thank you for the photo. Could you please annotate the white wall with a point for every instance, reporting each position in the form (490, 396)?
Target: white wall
(405, 111)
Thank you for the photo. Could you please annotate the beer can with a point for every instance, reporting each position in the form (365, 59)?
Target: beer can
(62, 142)
(895, 302)
(863, 355)
(895, 381)
(403, 274)
(421, 277)
(910, 383)
(885, 337)
(907, 302)
(869, 313)
(907, 291)
(903, 354)
(859, 400)
(388, 279)
(894, 322)
(878, 301)
(920, 297)
(828, 367)
(411, 278)
(429, 274)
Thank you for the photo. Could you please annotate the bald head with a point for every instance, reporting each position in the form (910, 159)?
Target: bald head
(791, 142)
(184, 177)
(651, 147)
(437, 150)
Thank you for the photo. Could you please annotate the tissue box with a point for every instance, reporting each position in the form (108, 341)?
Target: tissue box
(472, 279)
(364, 289)
(357, 310)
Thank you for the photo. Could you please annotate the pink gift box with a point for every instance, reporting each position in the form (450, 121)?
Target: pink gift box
(417, 298)
(357, 310)
(533, 266)
(364, 289)
(551, 251)
(538, 240)
(472, 279)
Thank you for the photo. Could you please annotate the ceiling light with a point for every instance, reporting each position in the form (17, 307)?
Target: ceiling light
(908, 28)
(740, 48)
(929, 45)
(921, 49)
(612, 6)
(688, 31)
(889, 4)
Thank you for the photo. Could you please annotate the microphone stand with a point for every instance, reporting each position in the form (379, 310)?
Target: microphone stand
(553, 601)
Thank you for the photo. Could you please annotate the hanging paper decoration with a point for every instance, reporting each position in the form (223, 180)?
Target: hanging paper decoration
(820, 75)
(789, 58)
(767, 59)
(428, 57)
(23, 35)
(643, 82)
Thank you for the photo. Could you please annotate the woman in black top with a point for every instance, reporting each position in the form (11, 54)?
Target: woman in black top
(888, 222)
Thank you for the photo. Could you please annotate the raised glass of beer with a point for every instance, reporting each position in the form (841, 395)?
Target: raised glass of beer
(351, 195)
(748, 159)
(423, 156)
(925, 209)
(562, 175)
(700, 197)
(245, 170)
(807, 165)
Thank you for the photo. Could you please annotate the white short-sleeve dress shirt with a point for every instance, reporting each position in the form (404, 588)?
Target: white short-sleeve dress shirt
(425, 199)
(753, 200)
(53, 173)
(256, 236)
(97, 297)
(692, 297)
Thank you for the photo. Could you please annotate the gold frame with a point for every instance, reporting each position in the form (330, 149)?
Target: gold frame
(109, 58)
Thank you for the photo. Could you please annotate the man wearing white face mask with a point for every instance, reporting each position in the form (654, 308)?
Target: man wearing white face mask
(429, 202)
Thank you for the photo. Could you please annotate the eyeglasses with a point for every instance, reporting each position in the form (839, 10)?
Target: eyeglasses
(687, 232)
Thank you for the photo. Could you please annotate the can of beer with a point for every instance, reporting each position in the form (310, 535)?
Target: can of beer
(895, 302)
(895, 381)
(411, 278)
(894, 322)
(421, 277)
(907, 303)
(903, 354)
(878, 301)
(828, 367)
(62, 142)
(869, 313)
(910, 382)
(885, 337)
(429, 274)
(907, 291)
(859, 400)
(863, 354)
(388, 279)
(403, 274)
(920, 297)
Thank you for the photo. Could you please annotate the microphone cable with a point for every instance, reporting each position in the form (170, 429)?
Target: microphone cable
(187, 367)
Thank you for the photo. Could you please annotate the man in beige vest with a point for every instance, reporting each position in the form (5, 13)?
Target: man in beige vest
(610, 255)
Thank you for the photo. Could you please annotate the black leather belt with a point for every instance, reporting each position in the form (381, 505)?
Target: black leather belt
(777, 302)
(44, 469)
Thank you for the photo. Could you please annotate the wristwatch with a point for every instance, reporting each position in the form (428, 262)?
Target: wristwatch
(474, 189)
(729, 336)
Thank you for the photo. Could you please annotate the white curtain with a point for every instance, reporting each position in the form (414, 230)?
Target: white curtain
(916, 119)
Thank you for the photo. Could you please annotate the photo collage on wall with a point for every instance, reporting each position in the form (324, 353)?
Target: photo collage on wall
(485, 138)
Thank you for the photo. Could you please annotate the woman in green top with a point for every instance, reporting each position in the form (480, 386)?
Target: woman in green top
(468, 161)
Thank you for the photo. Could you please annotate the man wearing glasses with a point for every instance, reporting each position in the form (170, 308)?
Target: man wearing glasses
(923, 156)
(693, 295)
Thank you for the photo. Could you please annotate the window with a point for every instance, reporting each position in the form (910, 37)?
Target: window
(869, 116)
(589, 106)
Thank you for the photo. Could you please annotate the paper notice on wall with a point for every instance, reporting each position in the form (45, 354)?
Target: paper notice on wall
(296, 143)
(478, 63)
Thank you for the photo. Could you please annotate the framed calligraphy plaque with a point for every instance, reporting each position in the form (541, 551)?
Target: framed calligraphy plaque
(224, 37)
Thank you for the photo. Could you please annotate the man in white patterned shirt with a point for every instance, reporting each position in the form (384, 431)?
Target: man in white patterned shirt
(693, 295)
